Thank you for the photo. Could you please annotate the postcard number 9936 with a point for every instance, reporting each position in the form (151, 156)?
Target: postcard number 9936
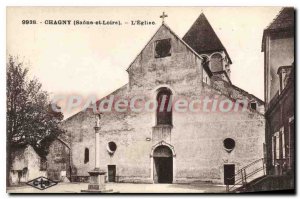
(25, 22)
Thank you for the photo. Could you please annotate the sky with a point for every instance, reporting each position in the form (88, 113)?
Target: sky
(92, 60)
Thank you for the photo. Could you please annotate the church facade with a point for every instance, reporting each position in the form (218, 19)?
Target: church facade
(167, 145)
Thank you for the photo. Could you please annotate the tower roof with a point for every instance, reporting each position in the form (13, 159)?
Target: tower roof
(202, 37)
(284, 21)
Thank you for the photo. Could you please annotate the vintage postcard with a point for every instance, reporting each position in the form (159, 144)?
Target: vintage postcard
(150, 99)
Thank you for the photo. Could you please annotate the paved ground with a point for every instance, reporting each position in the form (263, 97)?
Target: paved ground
(126, 188)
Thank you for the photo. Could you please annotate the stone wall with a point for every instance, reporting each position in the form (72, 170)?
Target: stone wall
(81, 134)
(181, 70)
(58, 161)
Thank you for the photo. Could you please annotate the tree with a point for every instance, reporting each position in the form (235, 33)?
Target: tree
(29, 116)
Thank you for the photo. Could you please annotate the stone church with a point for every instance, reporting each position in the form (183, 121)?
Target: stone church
(172, 146)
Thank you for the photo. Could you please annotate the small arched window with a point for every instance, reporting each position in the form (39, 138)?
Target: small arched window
(164, 106)
(86, 155)
(216, 63)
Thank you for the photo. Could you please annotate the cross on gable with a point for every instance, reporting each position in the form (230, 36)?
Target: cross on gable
(163, 16)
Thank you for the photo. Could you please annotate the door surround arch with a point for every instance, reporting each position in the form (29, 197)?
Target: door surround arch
(163, 143)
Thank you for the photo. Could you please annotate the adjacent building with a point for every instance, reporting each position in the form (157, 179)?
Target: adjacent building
(26, 165)
(279, 52)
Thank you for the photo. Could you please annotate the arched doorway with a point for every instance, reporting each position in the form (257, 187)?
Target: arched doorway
(163, 164)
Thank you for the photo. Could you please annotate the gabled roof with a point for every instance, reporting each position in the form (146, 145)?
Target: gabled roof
(202, 37)
(181, 40)
(284, 21)
(63, 142)
(90, 109)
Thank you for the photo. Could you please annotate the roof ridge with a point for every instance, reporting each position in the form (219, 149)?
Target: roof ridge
(283, 21)
(187, 45)
(181, 40)
(230, 97)
(97, 101)
(275, 18)
(143, 48)
(241, 90)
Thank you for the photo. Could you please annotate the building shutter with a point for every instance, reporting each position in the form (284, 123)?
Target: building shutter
(283, 142)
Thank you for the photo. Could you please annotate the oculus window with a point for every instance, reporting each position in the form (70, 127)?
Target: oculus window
(111, 147)
(229, 144)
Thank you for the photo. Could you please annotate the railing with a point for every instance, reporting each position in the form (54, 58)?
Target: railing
(243, 176)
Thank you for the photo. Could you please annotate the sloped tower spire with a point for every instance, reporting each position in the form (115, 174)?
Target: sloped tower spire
(203, 39)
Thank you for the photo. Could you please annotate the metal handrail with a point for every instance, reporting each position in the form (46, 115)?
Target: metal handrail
(248, 175)
(261, 159)
(243, 175)
(240, 170)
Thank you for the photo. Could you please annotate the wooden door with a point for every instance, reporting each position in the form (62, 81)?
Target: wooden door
(111, 173)
(229, 171)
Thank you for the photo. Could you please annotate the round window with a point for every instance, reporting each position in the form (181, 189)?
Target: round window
(111, 147)
(229, 144)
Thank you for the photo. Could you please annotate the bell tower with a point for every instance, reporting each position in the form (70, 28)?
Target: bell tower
(203, 39)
